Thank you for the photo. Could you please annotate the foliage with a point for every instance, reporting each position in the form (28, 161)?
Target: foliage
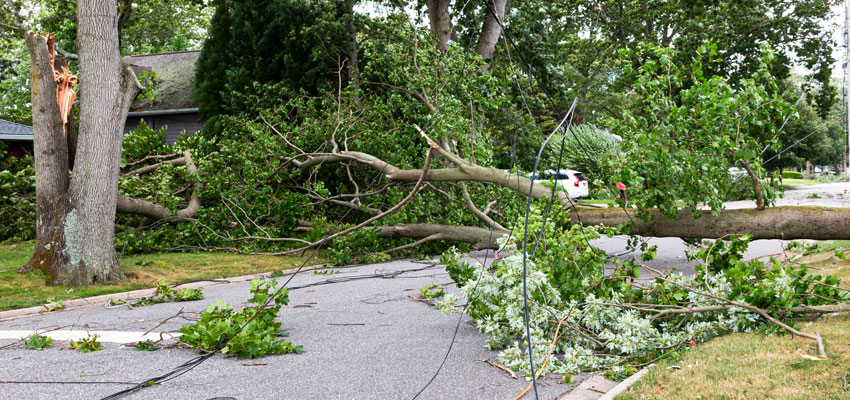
(432, 291)
(261, 42)
(38, 342)
(683, 140)
(231, 332)
(17, 198)
(253, 193)
(609, 321)
(146, 345)
(165, 293)
(573, 45)
(818, 139)
(87, 344)
(830, 178)
(153, 26)
(143, 141)
(588, 149)
(54, 305)
(15, 93)
(792, 175)
(238, 186)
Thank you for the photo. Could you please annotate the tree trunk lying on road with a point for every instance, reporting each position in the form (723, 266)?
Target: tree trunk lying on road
(789, 222)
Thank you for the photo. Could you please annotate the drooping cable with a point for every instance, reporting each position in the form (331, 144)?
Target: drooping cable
(525, 257)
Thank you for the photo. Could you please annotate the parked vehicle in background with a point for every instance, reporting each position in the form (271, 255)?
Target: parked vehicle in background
(736, 172)
(574, 182)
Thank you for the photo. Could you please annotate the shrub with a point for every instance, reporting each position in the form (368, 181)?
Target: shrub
(792, 175)
(17, 199)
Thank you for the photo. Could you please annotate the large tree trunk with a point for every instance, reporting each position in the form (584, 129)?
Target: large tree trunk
(75, 234)
(791, 222)
(50, 151)
(491, 31)
(351, 43)
(440, 22)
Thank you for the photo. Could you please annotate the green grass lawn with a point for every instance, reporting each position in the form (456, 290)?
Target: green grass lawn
(142, 271)
(597, 201)
(755, 366)
(796, 183)
(761, 366)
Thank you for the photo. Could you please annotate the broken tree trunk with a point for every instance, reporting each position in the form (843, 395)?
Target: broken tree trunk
(75, 234)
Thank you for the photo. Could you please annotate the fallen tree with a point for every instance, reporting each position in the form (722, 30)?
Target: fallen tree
(596, 319)
(788, 222)
(354, 154)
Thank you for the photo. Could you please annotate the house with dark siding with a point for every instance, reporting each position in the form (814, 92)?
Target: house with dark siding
(17, 137)
(172, 105)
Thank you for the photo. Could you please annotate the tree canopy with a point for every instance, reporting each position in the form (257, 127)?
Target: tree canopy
(290, 43)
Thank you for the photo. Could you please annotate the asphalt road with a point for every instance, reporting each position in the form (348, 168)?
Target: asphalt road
(363, 339)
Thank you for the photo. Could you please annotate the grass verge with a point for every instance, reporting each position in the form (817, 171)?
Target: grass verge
(757, 365)
(796, 183)
(142, 271)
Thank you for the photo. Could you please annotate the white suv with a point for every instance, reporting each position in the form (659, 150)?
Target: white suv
(573, 181)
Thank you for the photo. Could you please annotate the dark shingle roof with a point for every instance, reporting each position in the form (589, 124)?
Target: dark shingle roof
(12, 131)
(175, 73)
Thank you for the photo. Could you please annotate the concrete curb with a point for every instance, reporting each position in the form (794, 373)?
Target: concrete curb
(131, 295)
(625, 384)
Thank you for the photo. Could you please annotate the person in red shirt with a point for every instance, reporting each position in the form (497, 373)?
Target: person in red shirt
(622, 188)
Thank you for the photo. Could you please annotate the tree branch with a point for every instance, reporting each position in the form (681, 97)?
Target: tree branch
(756, 184)
(376, 217)
(128, 205)
(478, 213)
(479, 238)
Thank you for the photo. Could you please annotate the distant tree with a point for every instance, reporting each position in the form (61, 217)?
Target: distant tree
(821, 141)
(149, 26)
(281, 42)
(573, 44)
(15, 82)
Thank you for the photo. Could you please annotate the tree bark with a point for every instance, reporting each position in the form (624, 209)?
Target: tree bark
(75, 234)
(791, 222)
(756, 184)
(491, 31)
(50, 151)
(479, 238)
(107, 88)
(351, 43)
(440, 22)
(465, 172)
(820, 223)
(127, 205)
